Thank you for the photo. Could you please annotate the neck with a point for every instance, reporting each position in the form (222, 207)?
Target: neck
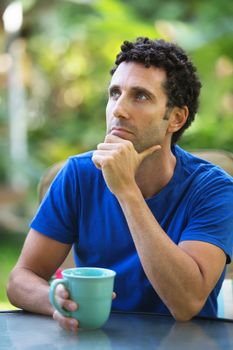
(155, 172)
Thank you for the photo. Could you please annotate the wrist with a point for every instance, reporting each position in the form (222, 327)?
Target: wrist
(131, 193)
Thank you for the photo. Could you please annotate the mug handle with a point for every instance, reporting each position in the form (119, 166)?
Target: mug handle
(52, 298)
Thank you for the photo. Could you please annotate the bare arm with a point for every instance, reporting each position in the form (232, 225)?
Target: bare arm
(28, 285)
(183, 275)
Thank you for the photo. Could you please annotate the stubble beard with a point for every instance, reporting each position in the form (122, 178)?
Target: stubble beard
(156, 137)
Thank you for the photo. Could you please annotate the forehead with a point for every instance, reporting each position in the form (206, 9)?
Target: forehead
(136, 74)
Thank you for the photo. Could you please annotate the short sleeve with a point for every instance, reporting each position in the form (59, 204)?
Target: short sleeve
(211, 214)
(58, 215)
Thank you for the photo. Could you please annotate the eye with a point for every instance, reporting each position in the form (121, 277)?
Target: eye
(114, 93)
(141, 96)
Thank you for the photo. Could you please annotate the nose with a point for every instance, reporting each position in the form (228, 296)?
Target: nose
(121, 108)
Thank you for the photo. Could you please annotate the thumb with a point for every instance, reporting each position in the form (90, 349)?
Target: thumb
(147, 152)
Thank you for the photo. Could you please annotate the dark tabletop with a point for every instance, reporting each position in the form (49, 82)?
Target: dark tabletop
(22, 330)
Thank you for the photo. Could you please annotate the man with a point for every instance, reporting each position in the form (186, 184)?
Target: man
(139, 204)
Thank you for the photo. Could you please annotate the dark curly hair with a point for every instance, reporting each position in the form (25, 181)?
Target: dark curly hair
(182, 85)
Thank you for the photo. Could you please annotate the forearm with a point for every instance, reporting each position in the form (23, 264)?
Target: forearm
(174, 275)
(28, 291)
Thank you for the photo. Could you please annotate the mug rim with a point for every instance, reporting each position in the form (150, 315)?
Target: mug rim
(68, 272)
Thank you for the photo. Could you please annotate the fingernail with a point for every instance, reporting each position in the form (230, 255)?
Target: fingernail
(72, 307)
(73, 325)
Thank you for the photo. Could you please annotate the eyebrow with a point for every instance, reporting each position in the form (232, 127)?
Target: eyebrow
(143, 90)
(134, 89)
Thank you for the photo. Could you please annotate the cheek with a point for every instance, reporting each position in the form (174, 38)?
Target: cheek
(108, 112)
(108, 109)
(156, 128)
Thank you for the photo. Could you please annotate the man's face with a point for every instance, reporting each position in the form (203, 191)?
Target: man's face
(136, 108)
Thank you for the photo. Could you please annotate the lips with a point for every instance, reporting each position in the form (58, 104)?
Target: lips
(115, 130)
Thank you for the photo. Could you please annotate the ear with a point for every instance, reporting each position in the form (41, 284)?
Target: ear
(177, 118)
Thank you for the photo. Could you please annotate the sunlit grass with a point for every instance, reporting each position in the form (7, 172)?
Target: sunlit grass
(7, 306)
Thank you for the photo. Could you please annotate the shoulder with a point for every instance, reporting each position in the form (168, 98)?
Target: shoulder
(83, 159)
(76, 164)
(210, 186)
(81, 170)
(64, 170)
(203, 181)
(199, 168)
(68, 173)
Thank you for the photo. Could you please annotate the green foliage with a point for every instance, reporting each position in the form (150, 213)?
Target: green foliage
(213, 127)
(71, 47)
(73, 74)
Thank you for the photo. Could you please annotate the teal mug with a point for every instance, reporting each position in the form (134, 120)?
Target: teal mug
(91, 288)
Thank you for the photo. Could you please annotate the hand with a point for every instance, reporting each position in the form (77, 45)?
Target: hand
(67, 323)
(119, 161)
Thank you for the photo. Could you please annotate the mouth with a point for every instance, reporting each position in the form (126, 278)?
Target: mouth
(120, 131)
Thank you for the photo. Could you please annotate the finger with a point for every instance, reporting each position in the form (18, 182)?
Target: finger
(101, 158)
(62, 296)
(66, 323)
(105, 152)
(147, 152)
(97, 160)
(69, 305)
(114, 295)
(62, 292)
(108, 146)
(112, 138)
(115, 139)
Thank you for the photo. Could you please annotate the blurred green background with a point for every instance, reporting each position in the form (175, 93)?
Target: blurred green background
(54, 70)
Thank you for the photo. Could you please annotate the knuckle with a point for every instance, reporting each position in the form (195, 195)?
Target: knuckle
(116, 152)
(61, 320)
(55, 315)
(60, 288)
(111, 159)
(100, 146)
(108, 161)
(107, 138)
(62, 294)
(128, 144)
(64, 303)
(120, 148)
(126, 147)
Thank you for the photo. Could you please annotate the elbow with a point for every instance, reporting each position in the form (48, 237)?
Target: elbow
(187, 312)
(182, 317)
(10, 290)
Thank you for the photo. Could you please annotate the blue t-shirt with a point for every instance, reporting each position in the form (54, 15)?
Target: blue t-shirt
(80, 209)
